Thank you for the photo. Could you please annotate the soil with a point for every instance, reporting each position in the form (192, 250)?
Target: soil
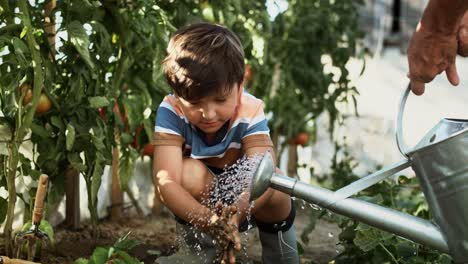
(156, 236)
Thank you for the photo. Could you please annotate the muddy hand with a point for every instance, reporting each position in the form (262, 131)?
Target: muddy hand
(228, 255)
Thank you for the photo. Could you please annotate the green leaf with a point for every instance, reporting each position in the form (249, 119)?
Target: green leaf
(100, 255)
(81, 261)
(368, 238)
(39, 130)
(96, 179)
(444, 259)
(98, 101)
(70, 136)
(26, 226)
(124, 243)
(23, 32)
(76, 162)
(126, 168)
(47, 228)
(80, 40)
(127, 259)
(405, 248)
(57, 122)
(153, 252)
(21, 49)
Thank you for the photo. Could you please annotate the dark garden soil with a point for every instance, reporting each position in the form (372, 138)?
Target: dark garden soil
(156, 236)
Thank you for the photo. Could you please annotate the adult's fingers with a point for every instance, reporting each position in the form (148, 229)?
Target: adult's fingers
(417, 87)
(452, 74)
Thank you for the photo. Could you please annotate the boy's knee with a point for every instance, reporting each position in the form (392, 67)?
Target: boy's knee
(196, 178)
(277, 208)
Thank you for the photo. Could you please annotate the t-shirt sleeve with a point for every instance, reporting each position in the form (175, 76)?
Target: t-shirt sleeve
(169, 127)
(257, 133)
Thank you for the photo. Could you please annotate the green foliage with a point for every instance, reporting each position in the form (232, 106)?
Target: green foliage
(309, 39)
(45, 227)
(118, 253)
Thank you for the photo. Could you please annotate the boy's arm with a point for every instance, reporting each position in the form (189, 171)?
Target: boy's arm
(168, 175)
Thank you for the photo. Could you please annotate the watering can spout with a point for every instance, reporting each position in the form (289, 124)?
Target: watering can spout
(404, 225)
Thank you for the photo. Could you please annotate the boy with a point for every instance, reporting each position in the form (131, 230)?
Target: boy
(208, 123)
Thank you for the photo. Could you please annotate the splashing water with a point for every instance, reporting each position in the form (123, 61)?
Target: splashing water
(234, 180)
(227, 187)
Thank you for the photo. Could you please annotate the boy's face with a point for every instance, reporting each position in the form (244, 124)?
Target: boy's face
(210, 113)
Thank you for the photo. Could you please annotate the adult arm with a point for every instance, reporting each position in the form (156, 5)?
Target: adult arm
(433, 46)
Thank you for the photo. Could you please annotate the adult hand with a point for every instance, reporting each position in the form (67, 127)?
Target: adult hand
(463, 36)
(429, 54)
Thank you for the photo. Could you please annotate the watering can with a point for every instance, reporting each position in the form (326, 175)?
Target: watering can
(440, 161)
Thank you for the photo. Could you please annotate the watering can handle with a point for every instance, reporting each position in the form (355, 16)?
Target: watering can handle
(399, 124)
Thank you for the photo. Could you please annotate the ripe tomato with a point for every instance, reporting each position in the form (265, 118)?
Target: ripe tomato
(27, 91)
(44, 104)
(248, 73)
(123, 117)
(302, 138)
(148, 150)
(102, 113)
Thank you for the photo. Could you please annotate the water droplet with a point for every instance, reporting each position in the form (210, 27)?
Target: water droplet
(330, 234)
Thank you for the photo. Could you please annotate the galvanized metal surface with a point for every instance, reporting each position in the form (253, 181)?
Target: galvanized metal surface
(405, 225)
(440, 161)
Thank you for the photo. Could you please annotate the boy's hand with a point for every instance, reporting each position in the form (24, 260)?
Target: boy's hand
(223, 228)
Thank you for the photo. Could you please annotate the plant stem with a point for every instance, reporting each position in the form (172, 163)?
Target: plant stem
(389, 253)
(10, 179)
(22, 126)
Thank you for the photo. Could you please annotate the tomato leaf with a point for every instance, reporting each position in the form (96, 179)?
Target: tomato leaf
(70, 137)
(80, 40)
(98, 101)
(100, 255)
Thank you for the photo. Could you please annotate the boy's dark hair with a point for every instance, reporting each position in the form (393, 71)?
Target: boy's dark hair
(203, 60)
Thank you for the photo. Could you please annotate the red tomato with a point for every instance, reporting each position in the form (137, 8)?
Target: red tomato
(44, 104)
(302, 138)
(135, 143)
(102, 113)
(248, 73)
(148, 150)
(27, 91)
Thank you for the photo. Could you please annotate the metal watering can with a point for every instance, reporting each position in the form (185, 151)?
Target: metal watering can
(440, 161)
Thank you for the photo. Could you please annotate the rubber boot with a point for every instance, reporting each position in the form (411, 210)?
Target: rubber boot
(194, 247)
(279, 247)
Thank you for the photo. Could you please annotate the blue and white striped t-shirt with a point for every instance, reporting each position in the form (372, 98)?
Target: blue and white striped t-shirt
(247, 128)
